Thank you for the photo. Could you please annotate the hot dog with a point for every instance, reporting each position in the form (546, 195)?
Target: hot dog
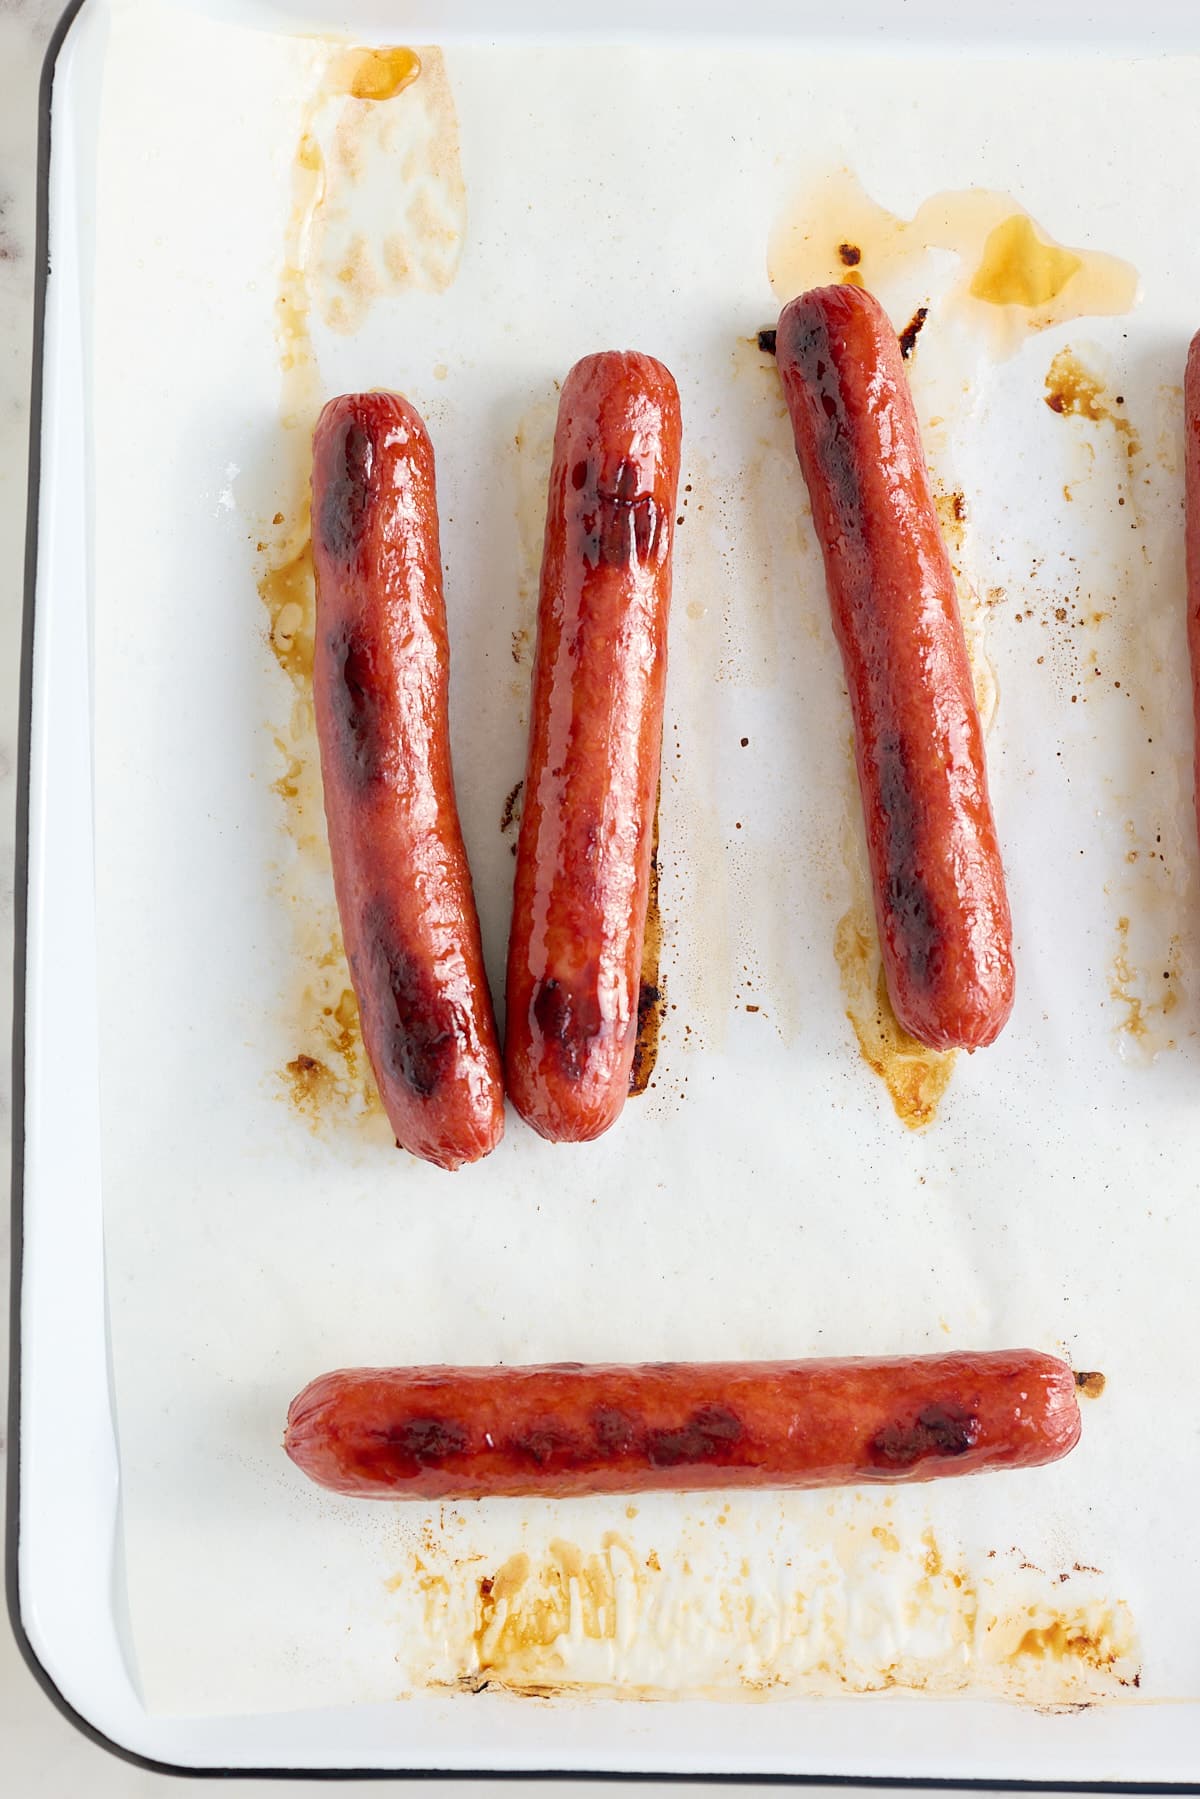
(583, 855)
(465, 1433)
(940, 900)
(1191, 404)
(380, 673)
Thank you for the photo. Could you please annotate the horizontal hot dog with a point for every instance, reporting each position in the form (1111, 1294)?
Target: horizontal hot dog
(940, 899)
(587, 823)
(465, 1433)
(380, 677)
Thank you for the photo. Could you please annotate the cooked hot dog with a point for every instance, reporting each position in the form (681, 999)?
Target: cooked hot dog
(465, 1433)
(380, 673)
(583, 856)
(940, 900)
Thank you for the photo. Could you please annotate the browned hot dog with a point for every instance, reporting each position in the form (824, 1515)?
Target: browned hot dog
(380, 673)
(940, 898)
(464, 1433)
(583, 857)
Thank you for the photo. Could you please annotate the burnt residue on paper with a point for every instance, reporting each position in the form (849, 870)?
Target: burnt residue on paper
(327, 1078)
(1090, 1383)
(1075, 390)
(1013, 277)
(384, 115)
(550, 1615)
(510, 815)
(652, 990)
(910, 333)
(1145, 1019)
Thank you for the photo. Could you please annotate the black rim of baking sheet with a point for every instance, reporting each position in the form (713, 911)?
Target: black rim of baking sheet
(20, 912)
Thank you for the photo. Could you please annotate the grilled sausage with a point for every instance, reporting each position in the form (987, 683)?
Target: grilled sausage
(380, 674)
(583, 856)
(465, 1433)
(940, 899)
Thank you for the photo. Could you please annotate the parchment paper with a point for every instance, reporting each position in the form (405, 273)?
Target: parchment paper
(763, 1198)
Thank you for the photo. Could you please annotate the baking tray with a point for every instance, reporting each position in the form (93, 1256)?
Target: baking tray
(766, 1182)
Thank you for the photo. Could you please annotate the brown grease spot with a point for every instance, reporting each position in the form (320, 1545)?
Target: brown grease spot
(1144, 1017)
(1074, 389)
(1019, 268)
(288, 592)
(1067, 1639)
(849, 255)
(951, 509)
(521, 1612)
(512, 809)
(310, 1083)
(1014, 280)
(377, 74)
(528, 1624)
(915, 1076)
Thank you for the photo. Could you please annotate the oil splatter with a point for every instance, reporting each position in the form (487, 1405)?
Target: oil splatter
(1020, 267)
(1146, 1004)
(1075, 390)
(375, 74)
(288, 591)
(1012, 277)
(911, 331)
(510, 815)
(822, 1603)
(1090, 1383)
(411, 143)
(522, 1612)
(916, 1077)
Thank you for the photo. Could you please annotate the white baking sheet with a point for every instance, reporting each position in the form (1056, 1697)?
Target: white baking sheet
(763, 1198)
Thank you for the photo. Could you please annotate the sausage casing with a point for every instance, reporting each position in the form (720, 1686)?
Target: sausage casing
(465, 1433)
(380, 680)
(587, 822)
(940, 899)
